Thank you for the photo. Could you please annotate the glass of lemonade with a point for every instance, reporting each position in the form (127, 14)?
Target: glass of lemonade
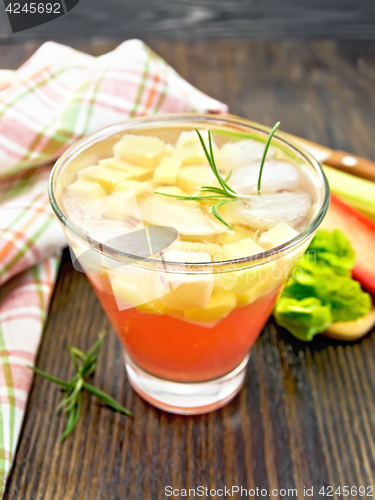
(186, 294)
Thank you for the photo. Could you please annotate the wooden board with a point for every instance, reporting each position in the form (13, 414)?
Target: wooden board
(306, 414)
(204, 19)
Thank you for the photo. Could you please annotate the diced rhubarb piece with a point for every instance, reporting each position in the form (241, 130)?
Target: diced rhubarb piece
(170, 190)
(86, 191)
(276, 236)
(176, 191)
(262, 288)
(153, 307)
(136, 186)
(360, 231)
(189, 148)
(188, 220)
(195, 246)
(190, 179)
(134, 287)
(188, 290)
(239, 233)
(219, 307)
(190, 138)
(136, 171)
(122, 205)
(166, 172)
(108, 178)
(241, 280)
(169, 150)
(140, 150)
(241, 248)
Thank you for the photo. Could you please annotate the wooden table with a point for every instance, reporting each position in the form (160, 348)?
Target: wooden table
(306, 416)
(203, 19)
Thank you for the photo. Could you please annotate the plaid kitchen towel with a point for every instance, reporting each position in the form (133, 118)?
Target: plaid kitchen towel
(56, 97)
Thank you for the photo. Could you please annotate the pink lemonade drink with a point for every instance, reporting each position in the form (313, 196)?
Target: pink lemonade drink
(186, 289)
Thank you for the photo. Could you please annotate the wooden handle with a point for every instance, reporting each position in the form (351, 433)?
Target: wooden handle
(352, 164)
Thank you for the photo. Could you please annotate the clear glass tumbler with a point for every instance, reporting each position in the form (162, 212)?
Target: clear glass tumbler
(177, 357)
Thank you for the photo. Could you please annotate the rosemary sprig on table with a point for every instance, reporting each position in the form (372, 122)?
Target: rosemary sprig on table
(85, 365)
(222, 195)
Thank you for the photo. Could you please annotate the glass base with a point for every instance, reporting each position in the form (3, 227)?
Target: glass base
(186, 398)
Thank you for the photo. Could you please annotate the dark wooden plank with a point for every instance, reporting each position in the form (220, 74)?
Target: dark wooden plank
(306, 414)
(203, 19)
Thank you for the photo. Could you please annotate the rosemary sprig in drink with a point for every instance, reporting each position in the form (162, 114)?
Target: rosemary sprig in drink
(222, 195)
(266, 147)
(85, 365)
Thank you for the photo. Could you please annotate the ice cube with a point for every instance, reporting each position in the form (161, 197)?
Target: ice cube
(121, 206)
(277, 176)
(93, 221)
(104, 230)
(70, 203)
(81, 193)
(234, 155)
(267, 210)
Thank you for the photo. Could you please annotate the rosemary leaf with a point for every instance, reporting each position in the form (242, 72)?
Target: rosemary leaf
(74, 395)
(213, 209)
(94, 350)
(63, 402)
(73, 358)
(106, 398)
(205, 150)
(211, 161)
(91, 370)
(69, 425)
(213, 189)
(77, 353)
(58, 381)
(72, 418)
(271, 134)
(92, 354)
(187, 198)
(72, 401)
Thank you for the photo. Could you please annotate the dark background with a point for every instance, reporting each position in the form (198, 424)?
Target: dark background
(192, 19)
